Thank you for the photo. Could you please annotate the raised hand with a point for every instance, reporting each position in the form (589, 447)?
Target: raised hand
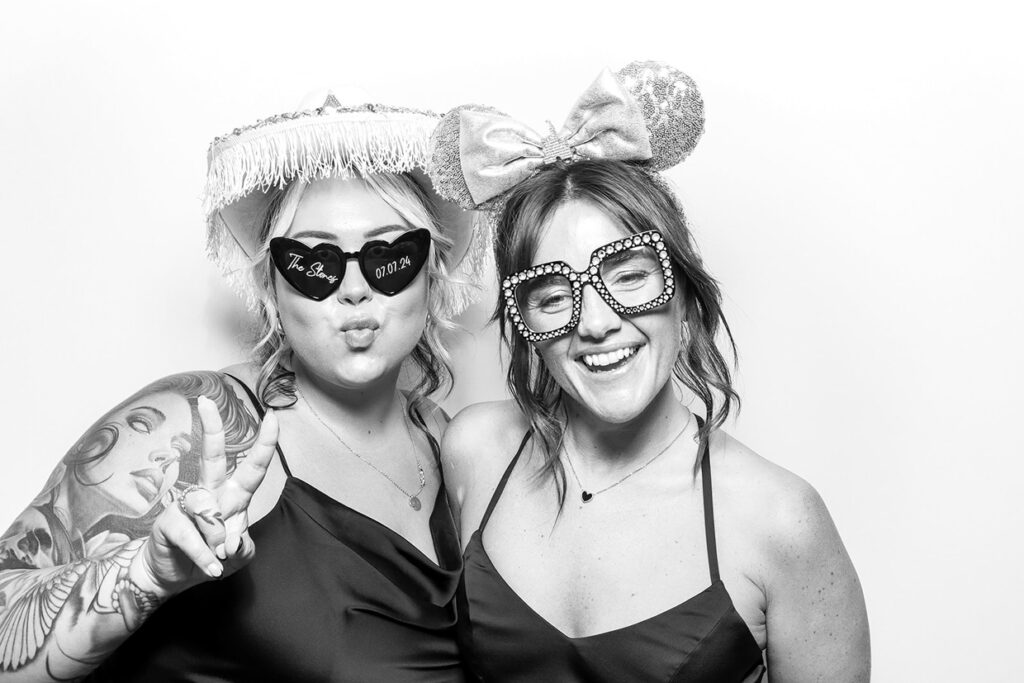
(205, 534)
(85, 564)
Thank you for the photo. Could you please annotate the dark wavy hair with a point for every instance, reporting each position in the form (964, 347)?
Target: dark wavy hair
(638, 200)
(240, 427)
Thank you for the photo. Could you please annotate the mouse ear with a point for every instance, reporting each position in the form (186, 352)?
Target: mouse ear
(444, 163)
(672, 108)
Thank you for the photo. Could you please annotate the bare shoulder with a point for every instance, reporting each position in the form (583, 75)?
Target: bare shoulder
(480, 435)
(816, 618)
(775, 502)
(478, 445)
(781, 499)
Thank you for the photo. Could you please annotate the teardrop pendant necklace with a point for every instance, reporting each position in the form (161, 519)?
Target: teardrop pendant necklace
(587, 496)
(414, 501)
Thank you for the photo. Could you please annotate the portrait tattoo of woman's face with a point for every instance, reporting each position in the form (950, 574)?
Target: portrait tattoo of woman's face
(123, 472)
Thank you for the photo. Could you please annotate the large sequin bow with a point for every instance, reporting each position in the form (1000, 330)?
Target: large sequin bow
(498, 152)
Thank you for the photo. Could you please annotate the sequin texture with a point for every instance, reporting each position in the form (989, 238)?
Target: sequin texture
(445, 164)
(672, 106)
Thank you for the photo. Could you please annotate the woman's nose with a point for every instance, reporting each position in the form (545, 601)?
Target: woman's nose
(354, 289)
(166, 456)
(163, 455)
(597, 319)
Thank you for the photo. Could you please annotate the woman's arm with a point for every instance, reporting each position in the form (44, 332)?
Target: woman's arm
(817, 623)
(105, 542)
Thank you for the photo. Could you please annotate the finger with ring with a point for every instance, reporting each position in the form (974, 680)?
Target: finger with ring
(200, 505)
(184, 494)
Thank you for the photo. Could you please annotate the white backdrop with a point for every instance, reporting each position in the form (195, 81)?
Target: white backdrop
(857, 192)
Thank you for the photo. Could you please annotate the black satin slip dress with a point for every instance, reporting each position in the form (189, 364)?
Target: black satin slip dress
(332, 595)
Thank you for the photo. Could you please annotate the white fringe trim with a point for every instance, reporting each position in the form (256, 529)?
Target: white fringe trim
(307, 149)
(476, 265)
(312, 149)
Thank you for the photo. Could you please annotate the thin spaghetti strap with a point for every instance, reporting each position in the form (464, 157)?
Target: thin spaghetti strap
(504, 480)
(260, 412)
(709, 510)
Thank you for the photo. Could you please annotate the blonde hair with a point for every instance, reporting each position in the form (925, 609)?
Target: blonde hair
(275, 385)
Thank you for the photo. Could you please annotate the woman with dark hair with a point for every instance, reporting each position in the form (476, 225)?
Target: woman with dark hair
(598, 544)
(322, 219)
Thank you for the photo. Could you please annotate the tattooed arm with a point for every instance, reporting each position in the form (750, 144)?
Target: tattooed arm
(106, 541)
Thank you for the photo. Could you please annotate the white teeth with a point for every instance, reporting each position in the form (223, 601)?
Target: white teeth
(600, 360)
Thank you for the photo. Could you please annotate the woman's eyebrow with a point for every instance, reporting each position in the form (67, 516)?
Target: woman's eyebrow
(622, 256)
(369, 234)
(315, 234)
(157, 415)
(384, 229)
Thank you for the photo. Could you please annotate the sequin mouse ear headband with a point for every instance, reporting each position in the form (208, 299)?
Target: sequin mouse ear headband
(647, 112)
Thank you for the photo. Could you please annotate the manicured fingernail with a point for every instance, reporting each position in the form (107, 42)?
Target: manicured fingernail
(221, 552)
(214, 570)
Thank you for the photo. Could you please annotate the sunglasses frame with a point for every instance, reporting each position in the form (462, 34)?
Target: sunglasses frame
(284, 243)
(590, 276)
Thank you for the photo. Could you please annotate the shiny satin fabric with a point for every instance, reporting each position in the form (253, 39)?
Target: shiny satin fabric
(332, 595)
(498, 152)
(701, 640)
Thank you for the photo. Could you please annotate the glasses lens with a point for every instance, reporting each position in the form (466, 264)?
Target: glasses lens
(391, 267)
(633, 276)
(545, 302)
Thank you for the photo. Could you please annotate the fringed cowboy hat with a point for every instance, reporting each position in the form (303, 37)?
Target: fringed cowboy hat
(246, 165)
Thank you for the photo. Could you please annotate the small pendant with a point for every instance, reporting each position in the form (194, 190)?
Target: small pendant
(587, 496)
(414, 503)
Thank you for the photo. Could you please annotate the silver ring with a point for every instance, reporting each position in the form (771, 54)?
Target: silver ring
(189, 489)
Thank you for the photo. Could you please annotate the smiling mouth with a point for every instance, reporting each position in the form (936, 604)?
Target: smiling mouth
(608, 361)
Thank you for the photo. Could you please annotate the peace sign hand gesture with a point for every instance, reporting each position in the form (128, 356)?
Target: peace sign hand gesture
(205, 534)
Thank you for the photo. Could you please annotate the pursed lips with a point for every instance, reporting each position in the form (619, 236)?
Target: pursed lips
(149, 482)
(359, 324)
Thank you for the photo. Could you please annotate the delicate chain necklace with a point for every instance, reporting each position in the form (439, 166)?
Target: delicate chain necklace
(414, 501)
(587, 496)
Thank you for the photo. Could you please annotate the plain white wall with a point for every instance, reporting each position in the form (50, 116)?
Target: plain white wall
(857, 192)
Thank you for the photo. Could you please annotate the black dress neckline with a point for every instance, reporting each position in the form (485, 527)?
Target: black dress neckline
(702, 639)
(479, 550)
(447, 555)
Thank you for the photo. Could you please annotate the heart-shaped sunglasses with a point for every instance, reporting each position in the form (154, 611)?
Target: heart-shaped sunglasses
(316, 272)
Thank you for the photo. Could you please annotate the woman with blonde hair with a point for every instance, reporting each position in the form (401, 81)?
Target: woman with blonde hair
(344, 563)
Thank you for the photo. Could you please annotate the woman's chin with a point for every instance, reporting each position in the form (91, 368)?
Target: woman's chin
(614, 402)
(614, 409)
(365, 371)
